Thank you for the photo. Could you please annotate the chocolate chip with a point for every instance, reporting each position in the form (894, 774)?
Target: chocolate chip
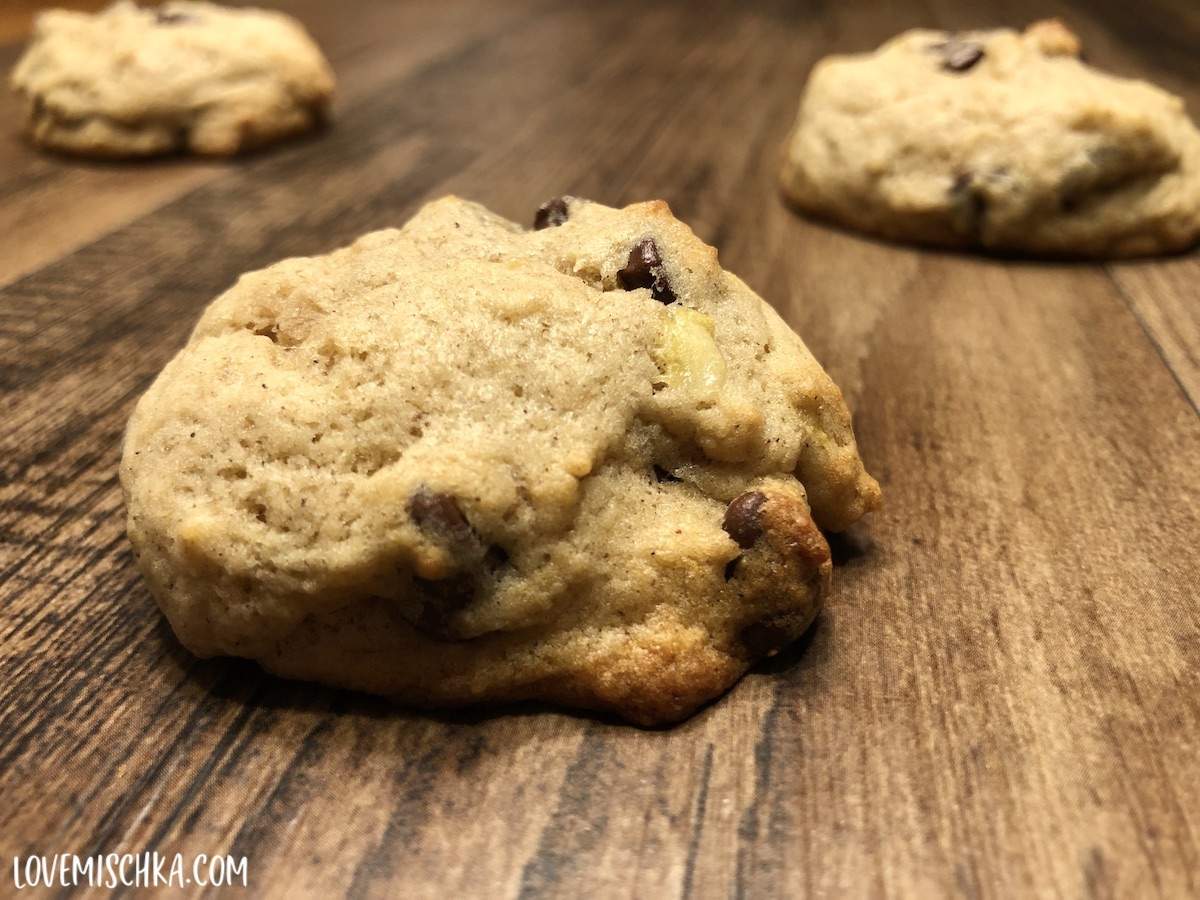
(438, 514)
(731, 567)
(644, 269)
(743, 519)
(959, 55)
(495, 558)
(551, 214)
(166, 17)
(441, 601)
(474, 564)
(661, 475)
(968, 204)
(765, 637)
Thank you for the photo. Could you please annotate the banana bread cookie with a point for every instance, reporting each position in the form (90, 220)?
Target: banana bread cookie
(999, 140)
(465, 461)
(185, 76)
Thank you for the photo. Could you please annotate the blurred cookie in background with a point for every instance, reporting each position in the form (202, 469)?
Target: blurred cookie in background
(183, 77)
(1000, 140)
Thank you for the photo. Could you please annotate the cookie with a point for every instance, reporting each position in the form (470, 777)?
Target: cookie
(998, 140)
(186, 76)
(464, 461)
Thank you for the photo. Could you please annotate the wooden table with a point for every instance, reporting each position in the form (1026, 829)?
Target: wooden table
(1001, 698)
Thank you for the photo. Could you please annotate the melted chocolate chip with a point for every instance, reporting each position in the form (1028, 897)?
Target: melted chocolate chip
(959, 55)
(438, 514)
(166, 17)
(968, 204)
(661, 475)
(474, 564)
(495, 558)
(743, 518)
(441, 601)
(551, 214)
(644, 269)
(731, 567)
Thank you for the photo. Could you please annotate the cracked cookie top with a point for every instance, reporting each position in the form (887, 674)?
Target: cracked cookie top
(191, 76)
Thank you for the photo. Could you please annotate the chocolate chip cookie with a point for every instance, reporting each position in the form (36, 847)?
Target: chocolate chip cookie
(999, 140)
(466, 461)
(186, 76)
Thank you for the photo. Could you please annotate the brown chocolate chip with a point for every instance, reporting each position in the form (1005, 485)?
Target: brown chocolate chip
(731, 567)
(495, 558)
(644, 269)
(473, 563)
(661, 475)
(441, 601)
(765, 637)
(743, 519)
(959, 55)
(437, 514)
(551, 214)
(968, 204)
(166, 17)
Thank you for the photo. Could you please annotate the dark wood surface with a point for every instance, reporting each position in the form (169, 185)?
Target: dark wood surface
(1001, 698)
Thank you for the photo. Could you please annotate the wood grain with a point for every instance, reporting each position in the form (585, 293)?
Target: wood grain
(1000, 699)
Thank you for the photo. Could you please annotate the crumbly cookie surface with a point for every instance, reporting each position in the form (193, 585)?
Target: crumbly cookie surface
(465, 461)
(185, 76)
(996, 139)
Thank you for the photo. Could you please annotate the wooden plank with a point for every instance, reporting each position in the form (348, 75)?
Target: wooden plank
(1156, 44)
(1166, 301)
(997, 702)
